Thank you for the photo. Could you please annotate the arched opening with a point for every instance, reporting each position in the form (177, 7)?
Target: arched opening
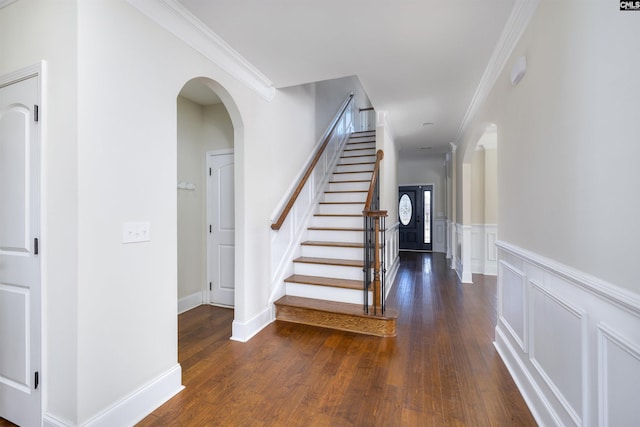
(209, 129)
(480, 205)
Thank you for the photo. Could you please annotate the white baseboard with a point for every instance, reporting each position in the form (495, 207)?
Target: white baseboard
(50, 420)
(190, 301)
(570, 340)
(244, 331)
(134, 407)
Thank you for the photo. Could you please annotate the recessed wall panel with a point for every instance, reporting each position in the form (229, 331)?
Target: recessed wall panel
(14, 334)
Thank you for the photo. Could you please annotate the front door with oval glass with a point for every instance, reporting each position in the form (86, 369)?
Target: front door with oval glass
(414, 211)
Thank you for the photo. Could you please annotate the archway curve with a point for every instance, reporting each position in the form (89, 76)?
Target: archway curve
(238, 143)
(485, 135)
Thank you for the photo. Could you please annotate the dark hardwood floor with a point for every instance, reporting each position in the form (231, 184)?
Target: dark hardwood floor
(441, 369)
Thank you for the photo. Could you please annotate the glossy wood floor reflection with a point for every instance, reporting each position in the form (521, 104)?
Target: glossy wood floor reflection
(441, 369)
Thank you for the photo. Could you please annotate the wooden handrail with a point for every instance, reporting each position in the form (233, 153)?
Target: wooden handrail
(285, 211)
(372, 185)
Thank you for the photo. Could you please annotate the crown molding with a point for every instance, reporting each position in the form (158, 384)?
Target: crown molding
(176, 19)
(521, 14)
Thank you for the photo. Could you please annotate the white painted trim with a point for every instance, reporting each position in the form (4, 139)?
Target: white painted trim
(176, 19)
(483, 250)
(244, 331)
(50, 420)
(517, 22)
(463, 260)
(603, 318)
(532, 394)
(140, 403)
(621, 297)
(191, 301)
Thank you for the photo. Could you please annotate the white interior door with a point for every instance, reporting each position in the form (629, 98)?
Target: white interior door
(221, 241)
(20, 306)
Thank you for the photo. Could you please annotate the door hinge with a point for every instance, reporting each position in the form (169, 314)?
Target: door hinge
(209, 171)
(209, 228)
(209, 285)
(36, 380)
(35, 246)
(36, 114)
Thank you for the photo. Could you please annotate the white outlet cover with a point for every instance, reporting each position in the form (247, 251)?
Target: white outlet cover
(135, 232)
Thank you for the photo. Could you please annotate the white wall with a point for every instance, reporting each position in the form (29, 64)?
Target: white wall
(569, 299)
(426, 170)
(111, 157)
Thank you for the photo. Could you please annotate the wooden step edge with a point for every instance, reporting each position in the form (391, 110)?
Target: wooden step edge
(361, 230)
(358, 245)
(359, 142)
(355, 164)
(341, 173)
(330, 261)
(345, 192)
(345, 215)
(334, 307)
(341, 203)
(359, 155)
(359, 149)
(351, 181)
(335, 315)
(332, 282)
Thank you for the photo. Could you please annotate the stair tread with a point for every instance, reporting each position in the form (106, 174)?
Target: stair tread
(330, 261)
(356, 163)
(333, 244)
(332, 307)
(341, 203)
(325, 281)
(345, 215)
(340, 173)
(335, 229)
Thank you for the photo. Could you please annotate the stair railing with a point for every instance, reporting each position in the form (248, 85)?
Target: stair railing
(374, 254)
(339, 119)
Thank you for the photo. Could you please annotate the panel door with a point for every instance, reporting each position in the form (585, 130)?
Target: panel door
(20, 282)
(415, 206)
(221, 216)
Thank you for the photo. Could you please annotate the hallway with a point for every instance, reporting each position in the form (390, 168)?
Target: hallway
(441, 369)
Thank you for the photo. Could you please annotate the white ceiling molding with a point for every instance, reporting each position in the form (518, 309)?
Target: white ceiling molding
(5, 3)
(173, 17)
(521, 14)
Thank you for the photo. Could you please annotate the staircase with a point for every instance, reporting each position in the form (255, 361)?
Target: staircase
(326, 288)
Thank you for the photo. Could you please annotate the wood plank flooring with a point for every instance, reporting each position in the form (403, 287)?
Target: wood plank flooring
(440, 370)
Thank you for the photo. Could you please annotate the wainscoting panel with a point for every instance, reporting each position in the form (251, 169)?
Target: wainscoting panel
(439, 235)
(512, 303)
(557, 325)
(619, 378)
(570, 340)
(483, 249)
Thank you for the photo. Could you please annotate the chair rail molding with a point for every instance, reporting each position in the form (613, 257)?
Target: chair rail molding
(544, 306)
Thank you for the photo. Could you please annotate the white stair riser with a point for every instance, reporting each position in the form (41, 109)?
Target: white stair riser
(354, 168)
(347, 208)
(359, 197)
(332, 252)
(351, 296)
(321, 270)
(349, 186)
(361, 143)
(336, 236)
(359, 158)
(360, 176)
(359, 151)
(337, 221)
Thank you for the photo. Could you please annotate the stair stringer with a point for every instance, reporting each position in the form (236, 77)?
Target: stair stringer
(287, 240)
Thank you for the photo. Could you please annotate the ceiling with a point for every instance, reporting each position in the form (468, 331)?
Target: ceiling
(420, 61)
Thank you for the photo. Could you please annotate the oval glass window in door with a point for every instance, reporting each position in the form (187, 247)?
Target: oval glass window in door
(405, 210)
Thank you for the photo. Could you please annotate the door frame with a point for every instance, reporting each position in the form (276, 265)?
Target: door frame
(38, 70)
(433, 190)
(209, 210)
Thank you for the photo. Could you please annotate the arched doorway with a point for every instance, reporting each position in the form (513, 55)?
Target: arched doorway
(478, 234)
(209, 129)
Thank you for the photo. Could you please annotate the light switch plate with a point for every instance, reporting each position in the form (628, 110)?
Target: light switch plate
(135, 232)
